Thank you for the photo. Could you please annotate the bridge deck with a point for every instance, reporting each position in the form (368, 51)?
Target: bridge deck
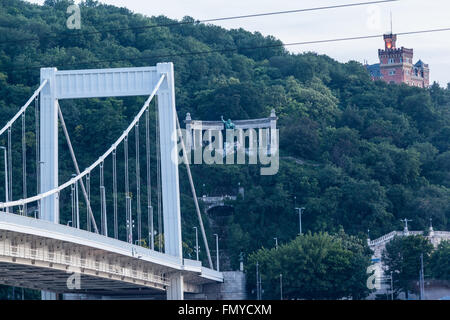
(41, 255)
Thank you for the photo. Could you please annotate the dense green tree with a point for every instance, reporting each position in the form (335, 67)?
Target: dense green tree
(440, 262)
(314, 266)
(402, 257)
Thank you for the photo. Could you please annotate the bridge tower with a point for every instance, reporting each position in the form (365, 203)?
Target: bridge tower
(49, 145)
(73, 84)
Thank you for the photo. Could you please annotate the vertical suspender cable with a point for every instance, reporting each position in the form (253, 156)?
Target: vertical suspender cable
(158, 179)
(38, 156)
(77, 207)
(149, 185)
(116, 227)
(24, 164)
(72, 202)
(127, 195)
(88, 191)
(102, 228)
(10, 165)
(138, 184)
(104, 222)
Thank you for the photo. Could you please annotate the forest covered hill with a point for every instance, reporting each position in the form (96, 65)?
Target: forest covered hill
(371, 153)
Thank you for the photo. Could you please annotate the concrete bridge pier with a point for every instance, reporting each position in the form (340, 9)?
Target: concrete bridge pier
(176, 289)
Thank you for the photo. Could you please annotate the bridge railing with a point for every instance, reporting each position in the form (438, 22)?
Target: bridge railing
(389, 236)
(383, 239)
(443, 234)
(217, 199)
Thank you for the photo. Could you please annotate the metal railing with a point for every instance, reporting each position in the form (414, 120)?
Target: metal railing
(383, 239)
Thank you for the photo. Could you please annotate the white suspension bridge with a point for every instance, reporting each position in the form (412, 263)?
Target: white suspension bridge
(41, 251)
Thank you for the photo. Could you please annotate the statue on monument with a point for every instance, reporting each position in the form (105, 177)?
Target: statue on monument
(228, 124)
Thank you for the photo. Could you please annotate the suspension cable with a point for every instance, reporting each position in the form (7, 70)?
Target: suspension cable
(138, 184)
(24, 164)
(149, 184)
(194, 194)
(114, 158)
(23, 109)
(77, 168)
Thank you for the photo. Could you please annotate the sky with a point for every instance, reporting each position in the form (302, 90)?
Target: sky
(408, 15)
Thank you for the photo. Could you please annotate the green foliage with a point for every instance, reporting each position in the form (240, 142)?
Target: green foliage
(10, 293)
(402, 257)
(314, 266)
(440, 261)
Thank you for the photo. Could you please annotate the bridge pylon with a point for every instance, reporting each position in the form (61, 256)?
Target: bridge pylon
(95, 83)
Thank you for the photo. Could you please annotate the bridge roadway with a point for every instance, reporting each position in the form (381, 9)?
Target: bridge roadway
(41, 255)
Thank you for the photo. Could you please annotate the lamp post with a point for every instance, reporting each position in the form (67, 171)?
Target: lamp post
(281, 287)
(300, 211)
(421, 279)
(6, 176)
(258, 297)
(276, 243)
(217, 251)
(196, 241)
(392, 287)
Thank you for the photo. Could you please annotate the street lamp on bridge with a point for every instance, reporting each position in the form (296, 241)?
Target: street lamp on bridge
(217, 251)
(196, 241)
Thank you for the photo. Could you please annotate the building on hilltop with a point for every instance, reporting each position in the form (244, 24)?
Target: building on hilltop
(396, 65)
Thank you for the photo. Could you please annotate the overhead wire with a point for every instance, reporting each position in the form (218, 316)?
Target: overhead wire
(192, 22)
(235, 49)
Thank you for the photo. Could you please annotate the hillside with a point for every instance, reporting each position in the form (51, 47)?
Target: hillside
(368, 153)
